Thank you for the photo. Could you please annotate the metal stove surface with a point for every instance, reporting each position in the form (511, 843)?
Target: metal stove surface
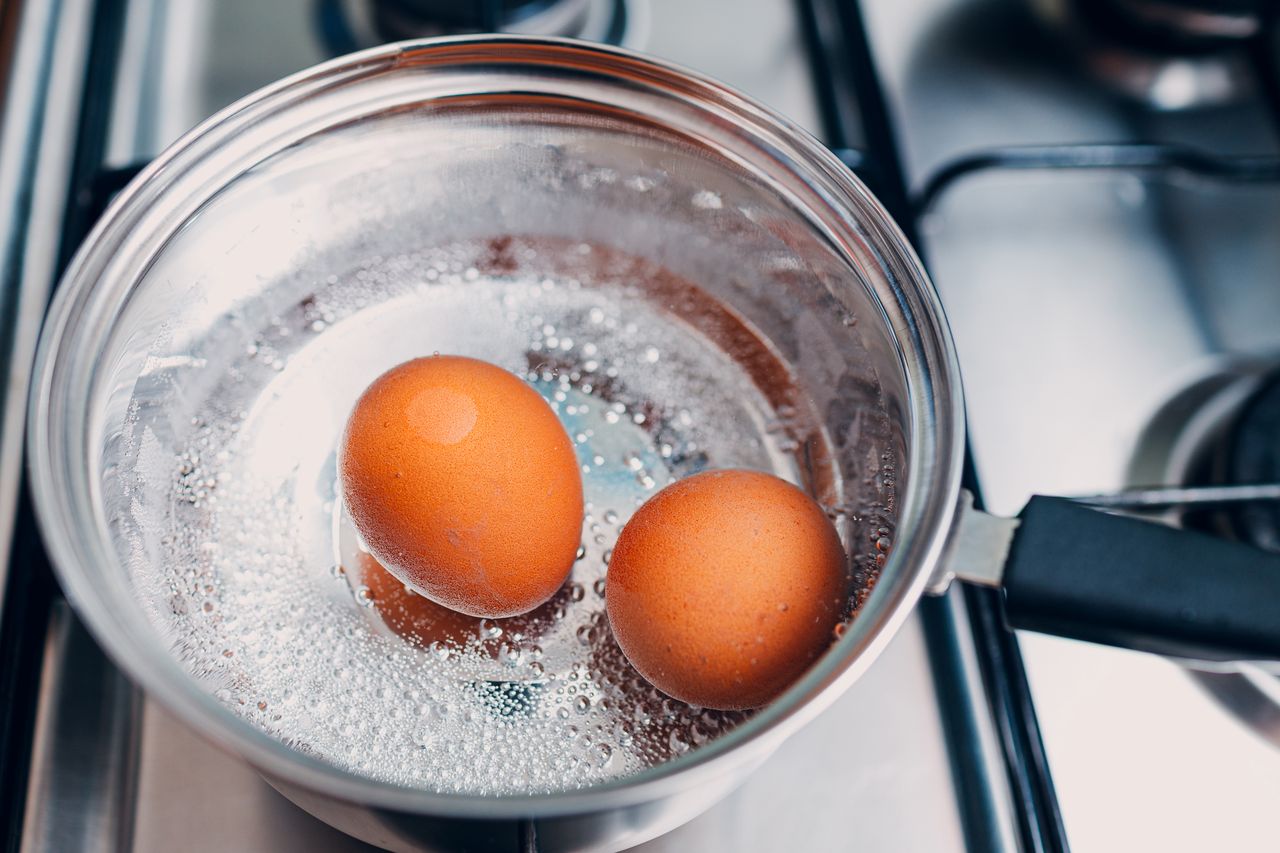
(873, 772)
(1080, 302)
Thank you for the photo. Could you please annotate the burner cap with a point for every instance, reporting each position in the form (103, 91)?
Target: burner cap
(1252, 455)
(1174, 27)
(1168, 54)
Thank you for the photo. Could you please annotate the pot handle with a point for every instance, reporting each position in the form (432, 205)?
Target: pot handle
(1081, 573)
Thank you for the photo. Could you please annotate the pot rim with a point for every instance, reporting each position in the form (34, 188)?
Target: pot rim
(926, 508)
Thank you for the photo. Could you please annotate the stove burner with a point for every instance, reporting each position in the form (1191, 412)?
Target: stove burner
(1252, 455)
(1175, 27)
(1218, 444)
(348, 25)
(412, 17)
(1169, 54)
(1222, 431)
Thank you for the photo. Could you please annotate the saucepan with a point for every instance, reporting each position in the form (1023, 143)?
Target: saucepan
(647, 246)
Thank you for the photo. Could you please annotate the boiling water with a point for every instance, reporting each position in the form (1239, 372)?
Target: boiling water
(256, 578)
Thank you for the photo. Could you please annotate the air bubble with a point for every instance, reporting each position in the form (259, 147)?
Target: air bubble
(707, 200)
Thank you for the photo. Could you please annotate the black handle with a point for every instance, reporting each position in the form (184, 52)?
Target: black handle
(1080, 573)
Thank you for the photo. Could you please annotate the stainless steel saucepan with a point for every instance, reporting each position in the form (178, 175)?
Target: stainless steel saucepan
(387, 152)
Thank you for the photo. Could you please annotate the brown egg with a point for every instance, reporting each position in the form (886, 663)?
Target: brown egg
(410, 615)
(464, 485)
(725, 586)
(425, 623)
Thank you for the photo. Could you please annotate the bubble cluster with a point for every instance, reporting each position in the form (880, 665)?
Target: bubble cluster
(252, 572)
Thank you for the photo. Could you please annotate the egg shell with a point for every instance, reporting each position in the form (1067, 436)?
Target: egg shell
(725, 586)
(464, 485)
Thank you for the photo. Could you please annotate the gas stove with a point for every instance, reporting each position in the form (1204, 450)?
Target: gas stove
(1109, 268)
